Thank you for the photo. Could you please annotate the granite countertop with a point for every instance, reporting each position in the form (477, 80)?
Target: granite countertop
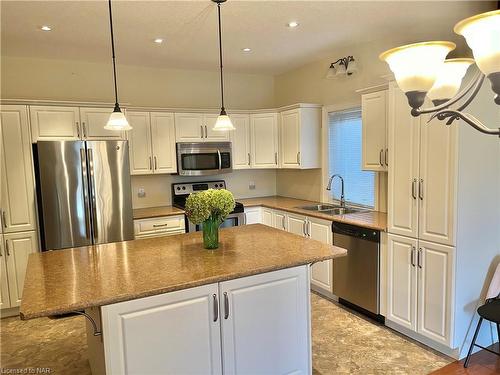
(150, 212)
(62, 281)
(367, 219)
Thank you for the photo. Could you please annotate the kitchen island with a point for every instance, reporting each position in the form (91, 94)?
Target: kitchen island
(166, 305)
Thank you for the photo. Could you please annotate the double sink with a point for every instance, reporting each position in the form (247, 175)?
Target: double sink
(330, 209)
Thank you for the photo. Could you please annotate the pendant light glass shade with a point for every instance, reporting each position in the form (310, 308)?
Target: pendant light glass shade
(449, 79)
(482, 34)
(223, 123)
(415, 66)
(117, 121)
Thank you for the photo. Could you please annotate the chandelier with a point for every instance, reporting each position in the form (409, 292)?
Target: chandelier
(421, 71)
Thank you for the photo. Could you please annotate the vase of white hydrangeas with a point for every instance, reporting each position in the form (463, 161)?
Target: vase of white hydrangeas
(209, 208)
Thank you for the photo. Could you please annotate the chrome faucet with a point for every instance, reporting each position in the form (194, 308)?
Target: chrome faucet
(329, 187)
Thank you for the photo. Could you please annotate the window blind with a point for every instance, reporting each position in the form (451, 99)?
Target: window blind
(344, 148)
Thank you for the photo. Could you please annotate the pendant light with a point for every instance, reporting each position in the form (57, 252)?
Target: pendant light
(117, 120)
(223, 122)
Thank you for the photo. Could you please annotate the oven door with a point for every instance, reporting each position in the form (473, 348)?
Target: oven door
(232, 220)
(200, 159)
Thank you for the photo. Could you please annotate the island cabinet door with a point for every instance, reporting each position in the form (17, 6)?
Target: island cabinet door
(265, 323)
(172, 333)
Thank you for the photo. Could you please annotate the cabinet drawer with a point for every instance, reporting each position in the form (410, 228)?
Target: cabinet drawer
(159, 226)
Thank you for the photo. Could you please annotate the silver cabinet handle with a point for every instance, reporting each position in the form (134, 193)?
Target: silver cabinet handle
(201, 128)
(304, 229)
(380, 157)
(84, 130)
(77, 129)
(1, 252)
(309, 224)
(386, 157)
(150, 164)
(156, 162)
(220, 159)
(414, 188)
(283, 222)
(248, 158)
(160, 225)
(421, 189)
(7, 248)
(216, 308)
(298, 158)
(83, 161)
(206, 132)
(419, 258)
(276, 158)
(412, 256)
(226, 305)
(4, 219)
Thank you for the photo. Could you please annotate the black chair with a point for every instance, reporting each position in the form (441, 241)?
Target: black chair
(491, 312)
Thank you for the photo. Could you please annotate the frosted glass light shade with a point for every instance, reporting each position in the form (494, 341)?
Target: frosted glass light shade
(415, 66)
(482, 34)
(223, 123)
(330, 74)
(449, 79)
(117, 121)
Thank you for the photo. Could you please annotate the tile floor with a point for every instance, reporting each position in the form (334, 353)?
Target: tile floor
(343, 343)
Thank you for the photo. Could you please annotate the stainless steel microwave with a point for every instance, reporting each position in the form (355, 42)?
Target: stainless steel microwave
(203, 158)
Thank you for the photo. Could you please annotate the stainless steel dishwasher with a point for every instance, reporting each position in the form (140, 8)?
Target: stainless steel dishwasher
(356, 277)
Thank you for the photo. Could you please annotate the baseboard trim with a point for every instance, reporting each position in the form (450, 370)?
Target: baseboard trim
(6, 313)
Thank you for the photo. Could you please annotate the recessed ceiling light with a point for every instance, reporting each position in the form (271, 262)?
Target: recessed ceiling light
(246, 49)
(46, 28)
(293, 24)
(158, 40)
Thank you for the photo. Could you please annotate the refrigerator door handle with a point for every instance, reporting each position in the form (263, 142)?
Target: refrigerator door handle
(93, 193)
(83, 161)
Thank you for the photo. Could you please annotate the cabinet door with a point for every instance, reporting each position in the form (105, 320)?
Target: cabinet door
(253, 215)
(4, 287)
(296, 224)
(404, 134)
(267, 217)
(172, 333)
(438, 174)
(16, 171)
(265, 328)
(54, 123)
(279, 220)
(321, 272)
(435, 291)
(210, 134)
(189, 127)
(139, 143)
(402, 281)
(18, 246)
(163, 140)
(374, 119)
(264, 140)
(93, 122)
(241, 141)
(290, 139)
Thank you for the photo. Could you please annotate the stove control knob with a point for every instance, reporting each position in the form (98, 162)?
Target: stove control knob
(178, 188)
(183, 188)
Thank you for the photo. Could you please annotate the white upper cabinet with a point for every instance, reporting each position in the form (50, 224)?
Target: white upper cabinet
(189, 127)
(210, 134)
(403, 176)
(152, 143)
(55, 123)
(264, 140)
(374, 119)
(139, 142)
(17, 201)
(93, 121)
(163, 142)
(241, 141)
(437, 184)
(300, 130)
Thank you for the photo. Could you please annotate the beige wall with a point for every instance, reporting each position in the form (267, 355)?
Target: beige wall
(158, 191)
(29, 78)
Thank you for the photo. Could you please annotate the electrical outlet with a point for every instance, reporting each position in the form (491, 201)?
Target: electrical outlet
(251, 185)
(141, 193)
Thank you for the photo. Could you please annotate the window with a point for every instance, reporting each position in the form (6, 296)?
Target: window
(344, 157)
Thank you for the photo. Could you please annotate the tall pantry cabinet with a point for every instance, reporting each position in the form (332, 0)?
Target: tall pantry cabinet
(424, 227)
(17, 202)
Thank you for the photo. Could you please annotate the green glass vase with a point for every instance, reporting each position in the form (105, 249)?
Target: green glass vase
(211, 233)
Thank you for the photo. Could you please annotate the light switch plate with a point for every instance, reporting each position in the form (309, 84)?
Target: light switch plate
(141, 193)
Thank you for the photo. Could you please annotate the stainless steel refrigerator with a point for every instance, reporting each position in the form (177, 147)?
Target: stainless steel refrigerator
(83, 193)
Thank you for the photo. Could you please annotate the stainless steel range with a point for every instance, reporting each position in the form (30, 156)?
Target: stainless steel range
(181, 191)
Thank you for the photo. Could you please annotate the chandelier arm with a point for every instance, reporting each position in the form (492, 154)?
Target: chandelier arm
(470, 86)
(466, 117)
(473, 94)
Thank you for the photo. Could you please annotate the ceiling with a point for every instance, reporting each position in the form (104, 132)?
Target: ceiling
(80, 30)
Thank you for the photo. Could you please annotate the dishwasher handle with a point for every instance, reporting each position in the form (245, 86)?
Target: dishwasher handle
(367, 234)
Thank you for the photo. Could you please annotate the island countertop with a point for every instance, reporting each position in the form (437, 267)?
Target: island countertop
(62, 281)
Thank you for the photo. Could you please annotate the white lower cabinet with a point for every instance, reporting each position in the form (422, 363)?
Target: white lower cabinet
(267, 217)
(4, 283)
(159, 226)
(296, 224)
(420, 287)
(253, 325)
(321, 272)
(279, 220)
(253, 215)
